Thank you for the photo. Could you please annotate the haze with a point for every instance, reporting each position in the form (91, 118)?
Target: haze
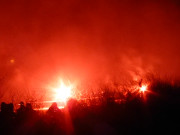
(86, 41)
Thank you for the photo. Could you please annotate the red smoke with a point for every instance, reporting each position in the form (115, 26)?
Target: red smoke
(86, 41)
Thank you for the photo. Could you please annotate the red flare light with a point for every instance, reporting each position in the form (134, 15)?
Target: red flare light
(143, 88)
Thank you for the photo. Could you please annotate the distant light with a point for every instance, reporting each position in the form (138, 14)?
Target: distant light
(12, 61)
(143, 88)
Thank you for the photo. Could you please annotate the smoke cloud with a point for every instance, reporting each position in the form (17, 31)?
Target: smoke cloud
(86, 41)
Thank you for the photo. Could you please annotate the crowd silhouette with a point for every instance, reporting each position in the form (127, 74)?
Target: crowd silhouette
(160, 114)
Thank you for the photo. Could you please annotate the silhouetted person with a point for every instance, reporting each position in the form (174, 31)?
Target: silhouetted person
(54, 113)
(21, 113)
(55, 119)
(53, 108)
(7, 109)
(3, 107)
(7, 118)
(21, 108)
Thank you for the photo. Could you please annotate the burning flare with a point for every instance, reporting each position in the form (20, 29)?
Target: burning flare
(63, 92)
(143, 88)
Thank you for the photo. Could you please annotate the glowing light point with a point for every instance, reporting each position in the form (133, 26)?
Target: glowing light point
(63, 92)
(143, 88)
(12, 61)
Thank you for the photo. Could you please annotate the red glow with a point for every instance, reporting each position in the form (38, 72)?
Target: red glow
(118, 41)
(63, 91)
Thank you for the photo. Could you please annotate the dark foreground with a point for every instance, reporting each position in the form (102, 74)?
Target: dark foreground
(159, 114)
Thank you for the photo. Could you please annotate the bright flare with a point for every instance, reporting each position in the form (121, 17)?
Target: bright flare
(63, 92)
(143, 88)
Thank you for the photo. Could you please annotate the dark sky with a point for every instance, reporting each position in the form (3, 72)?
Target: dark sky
(87, 40)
